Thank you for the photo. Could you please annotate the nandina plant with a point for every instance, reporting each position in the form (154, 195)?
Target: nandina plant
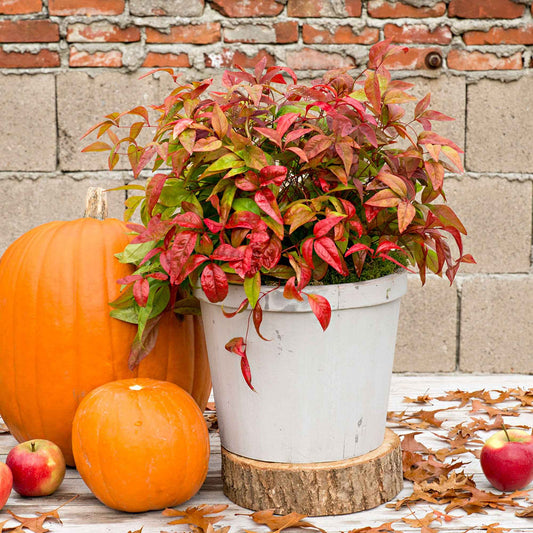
(273, 182)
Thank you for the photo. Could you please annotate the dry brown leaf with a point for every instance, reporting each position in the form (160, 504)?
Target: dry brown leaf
(3, 427)
(422, 399)
(492, 528)
(525, 512)
(491, 411)
(410, 444)
(137, 530)
(383, 528)
(278, 523)
(422, 523)
(525, 397)
(210, 529)
(36, 523)
(197, 516)
(459, 395)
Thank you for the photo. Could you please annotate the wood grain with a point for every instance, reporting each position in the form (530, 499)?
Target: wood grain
(316, 489)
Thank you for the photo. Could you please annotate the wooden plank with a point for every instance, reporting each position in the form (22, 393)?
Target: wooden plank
(86, 514)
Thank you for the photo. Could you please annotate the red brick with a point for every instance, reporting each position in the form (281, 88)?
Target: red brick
(28, 31)
(485, 9)
(246, 61)
(464, 60)
(311, 59)
(397, 9)
(248, 8)
(42, 59)
(229, 58)
(286, 32)
(155, 59)
(497, 35)
(206, 33)
(86, 7)
(81, 58)
(413, 59)
(340, 35)
(323, 8)
(418, 33)
(102, 32)
(20, 7)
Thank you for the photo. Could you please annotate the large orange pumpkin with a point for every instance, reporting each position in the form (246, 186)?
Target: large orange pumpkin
(140, 444)
(57, 340)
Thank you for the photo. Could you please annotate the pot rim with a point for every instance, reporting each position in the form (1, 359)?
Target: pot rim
(340, 296)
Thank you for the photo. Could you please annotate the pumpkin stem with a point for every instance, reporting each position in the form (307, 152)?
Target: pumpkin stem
(96, 203)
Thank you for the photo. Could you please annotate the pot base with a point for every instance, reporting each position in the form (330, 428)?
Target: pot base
(316, 489)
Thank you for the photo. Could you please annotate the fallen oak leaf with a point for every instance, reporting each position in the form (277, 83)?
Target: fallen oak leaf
(197, 516)
(459, 395)
(491, 411)
(36, 523)
(525, 512)
(410, 444)
(422, 523)
(278, 523)
(492, 528)
(524, 396)
(423, 399)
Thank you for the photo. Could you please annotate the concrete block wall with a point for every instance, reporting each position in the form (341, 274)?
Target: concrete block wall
(66, 63)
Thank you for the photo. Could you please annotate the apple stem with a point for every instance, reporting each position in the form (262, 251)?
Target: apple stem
(33, 446)
(506, 434)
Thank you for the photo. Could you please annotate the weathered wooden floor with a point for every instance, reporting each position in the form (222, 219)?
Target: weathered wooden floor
(86, 514)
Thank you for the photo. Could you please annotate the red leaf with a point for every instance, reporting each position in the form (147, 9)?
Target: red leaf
(272, 253)
(321, 308)
(189, 220)
(231, 314)
(358, 247)
(214, 283)
(246, 219)
(129, 279)
(213, 226)
(386, 246)
(155, 230)
(273, 174)
(236, 345)
(285, 122)
(384, 198)
(190, 266)
(226, 252)
(290, 291)
(322, 227)
(246, 372)
(174, 259)
(141, 290)
(266, 200)
(257, 315)
(307, 251)
(326, 249)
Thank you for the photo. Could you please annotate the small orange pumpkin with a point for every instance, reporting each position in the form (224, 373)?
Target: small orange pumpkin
(58, 341)
(140, 444)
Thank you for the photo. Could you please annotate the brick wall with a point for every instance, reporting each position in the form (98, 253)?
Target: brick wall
(65, 63)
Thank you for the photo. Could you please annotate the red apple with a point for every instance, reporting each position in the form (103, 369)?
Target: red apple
(38, 467)
(507, 459)
(6, 483)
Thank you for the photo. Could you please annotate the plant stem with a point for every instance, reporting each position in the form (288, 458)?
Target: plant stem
(33, 446)
(506, 434)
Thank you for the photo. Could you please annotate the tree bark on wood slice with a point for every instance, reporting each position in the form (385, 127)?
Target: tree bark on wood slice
(316, 489)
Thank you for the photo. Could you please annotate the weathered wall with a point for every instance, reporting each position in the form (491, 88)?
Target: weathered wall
(66, 63)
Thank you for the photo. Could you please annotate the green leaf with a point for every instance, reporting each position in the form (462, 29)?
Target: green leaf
(134, 253)
(161, 297)
(225, 162)
(252, 288)
(126, 314)
(246, 204)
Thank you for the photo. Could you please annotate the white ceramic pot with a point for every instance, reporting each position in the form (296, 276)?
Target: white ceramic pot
(319, 395)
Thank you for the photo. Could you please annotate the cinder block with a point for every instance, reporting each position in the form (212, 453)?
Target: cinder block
(28, 203)
(497, 324)
(448, 95)
(499, 126)
(428, 327)
(28, 133)
(497, 215)
(83, 100)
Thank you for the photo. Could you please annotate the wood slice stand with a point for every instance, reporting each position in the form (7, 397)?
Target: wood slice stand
(316, 489)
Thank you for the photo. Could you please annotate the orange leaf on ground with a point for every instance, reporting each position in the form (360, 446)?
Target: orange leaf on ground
(278, 523)
(197, 516)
